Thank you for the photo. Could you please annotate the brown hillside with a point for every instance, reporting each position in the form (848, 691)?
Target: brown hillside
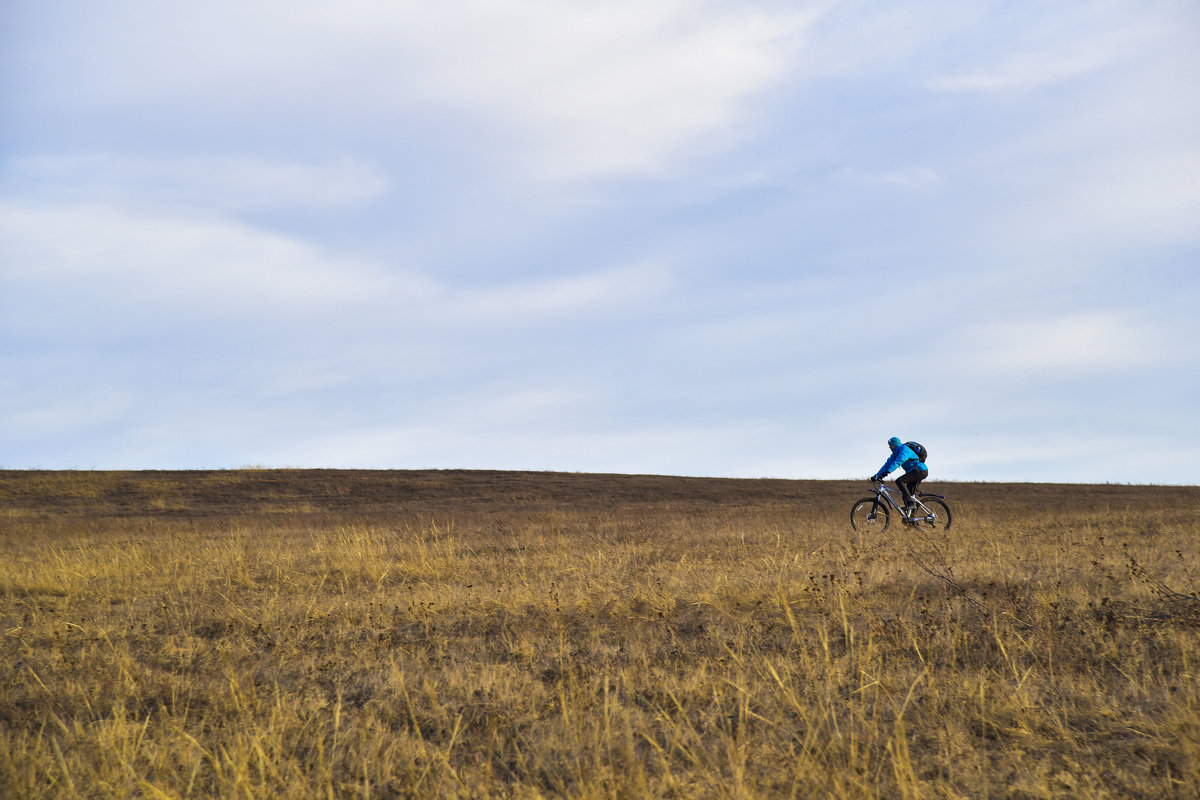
(476, 634)
(383, 493)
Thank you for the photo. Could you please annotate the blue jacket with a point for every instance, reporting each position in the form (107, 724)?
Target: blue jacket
(902, 456)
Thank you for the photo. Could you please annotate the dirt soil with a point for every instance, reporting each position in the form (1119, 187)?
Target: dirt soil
(391, 493)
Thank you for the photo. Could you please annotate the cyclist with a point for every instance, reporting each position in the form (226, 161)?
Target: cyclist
(915, 471)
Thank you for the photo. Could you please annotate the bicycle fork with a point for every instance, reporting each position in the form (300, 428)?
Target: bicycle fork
(874, 510)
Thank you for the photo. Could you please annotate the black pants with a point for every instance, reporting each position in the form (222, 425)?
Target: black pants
(907, 483)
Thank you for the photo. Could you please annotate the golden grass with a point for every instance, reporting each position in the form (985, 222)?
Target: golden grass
(294, 634)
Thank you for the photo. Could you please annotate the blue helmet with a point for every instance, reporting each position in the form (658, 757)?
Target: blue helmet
(894, 442)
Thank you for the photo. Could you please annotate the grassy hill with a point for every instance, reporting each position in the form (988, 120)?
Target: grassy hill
(262, 633)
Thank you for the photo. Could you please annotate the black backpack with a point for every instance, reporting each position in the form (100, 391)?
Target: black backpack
(918, 448)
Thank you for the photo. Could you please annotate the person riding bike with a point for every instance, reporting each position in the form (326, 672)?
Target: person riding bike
(915, 471)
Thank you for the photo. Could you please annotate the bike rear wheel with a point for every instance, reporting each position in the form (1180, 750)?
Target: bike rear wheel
(938, 517)
(869, 515)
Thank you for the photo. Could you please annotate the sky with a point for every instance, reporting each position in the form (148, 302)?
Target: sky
(748, 238)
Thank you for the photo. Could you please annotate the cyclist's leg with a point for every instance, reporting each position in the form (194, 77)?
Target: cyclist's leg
(908, 484)
(921, 474)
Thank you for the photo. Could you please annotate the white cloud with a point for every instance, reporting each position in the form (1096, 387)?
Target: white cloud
(1026, 71)
(1143, 196)
(1010, 452)
(568, 89)
(238, 291)
(1072, 41)
(209, 182)
(1078, 342)
(55, 414)
(565, 442)
(117, 262)
(917, 178)
(1084, 188)
(613, 87)
(603, 291)
(133, 269)
(853, 38)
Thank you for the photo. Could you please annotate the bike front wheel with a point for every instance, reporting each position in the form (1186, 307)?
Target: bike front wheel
(869, 516)
(938, 517)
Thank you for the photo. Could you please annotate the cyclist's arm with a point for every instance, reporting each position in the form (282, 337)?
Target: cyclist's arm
(887, 467)
(894, 460)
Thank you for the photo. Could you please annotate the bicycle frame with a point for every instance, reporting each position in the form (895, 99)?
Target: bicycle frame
(885, 492)
(874, 511)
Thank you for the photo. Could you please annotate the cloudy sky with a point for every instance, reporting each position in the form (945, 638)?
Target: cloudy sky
(701, 237)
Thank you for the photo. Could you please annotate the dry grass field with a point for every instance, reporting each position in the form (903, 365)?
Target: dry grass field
(294, 634)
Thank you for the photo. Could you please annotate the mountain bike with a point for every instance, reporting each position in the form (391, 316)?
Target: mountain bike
(872, 514)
